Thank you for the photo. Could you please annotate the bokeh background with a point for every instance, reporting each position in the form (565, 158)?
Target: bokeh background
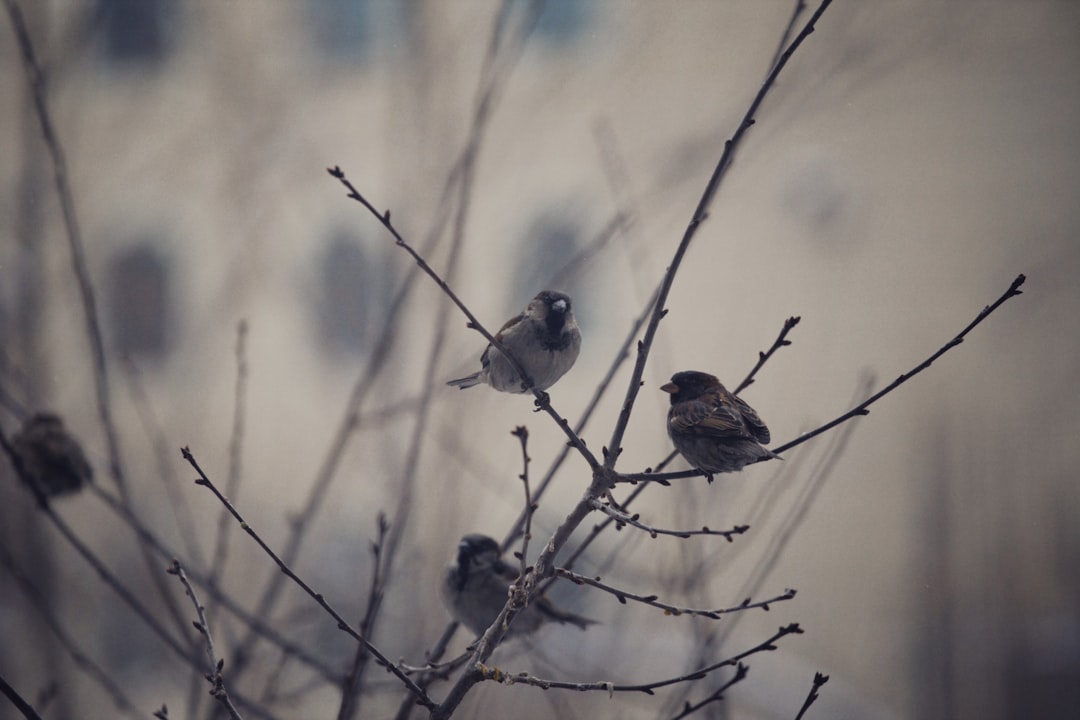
(913, 159)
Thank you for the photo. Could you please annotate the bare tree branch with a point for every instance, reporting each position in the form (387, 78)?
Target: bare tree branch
(493, 673)
(83, 661)
(522, 433)
(79, 267)
(343, 625)
(21, 705)
(863, 407)
(819, 680)
(354, 680)
(741, 671)
(699, 216)
(214, 676)
(622, 518)
(763, 357)
(652, 600)
(543, 401)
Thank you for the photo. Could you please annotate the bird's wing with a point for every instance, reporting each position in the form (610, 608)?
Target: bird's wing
(753, 422)
(707, 418)
(484, 359)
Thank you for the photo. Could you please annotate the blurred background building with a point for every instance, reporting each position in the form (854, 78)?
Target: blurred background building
(913, 159)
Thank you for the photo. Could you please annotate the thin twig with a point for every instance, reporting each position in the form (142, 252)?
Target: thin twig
(494, 673)
(623, 518)
(819, 680)
(863, 407)
(436, 652)
(522, 434)
(16, 699)
(214, 676)
(763, 357)
(343, 625)
(354, 680)
(741, 671)
(800, 6)
(653, 600)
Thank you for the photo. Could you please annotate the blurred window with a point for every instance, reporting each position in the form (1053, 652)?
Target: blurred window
(344, 30)
(352, 290)
(563, 22)
(551, 258)
(135, 31)
(140, 305)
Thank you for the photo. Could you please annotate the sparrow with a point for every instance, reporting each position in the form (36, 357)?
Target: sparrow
(50, 459)
(544, 339)
(714, 430)
(475, 589)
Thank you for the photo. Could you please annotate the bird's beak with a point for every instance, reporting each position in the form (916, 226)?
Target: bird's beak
(670, 388)
(559, 306)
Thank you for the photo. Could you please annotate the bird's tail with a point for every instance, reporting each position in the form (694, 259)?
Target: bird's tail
(466, 382)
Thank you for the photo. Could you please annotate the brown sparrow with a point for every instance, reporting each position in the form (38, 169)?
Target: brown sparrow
(50, 458)
(475, 589)
(545, 341)
(714, 430)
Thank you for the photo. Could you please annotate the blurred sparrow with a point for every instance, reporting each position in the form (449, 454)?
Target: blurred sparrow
(475, 590)
(545, 341)
(50, 459)
(714, 430)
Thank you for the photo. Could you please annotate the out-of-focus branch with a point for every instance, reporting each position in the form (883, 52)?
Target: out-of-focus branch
(251, 621)
(236, 441)
(16, 699)
(343, 625)
(741, 671)
(79, 266)
(83, 661)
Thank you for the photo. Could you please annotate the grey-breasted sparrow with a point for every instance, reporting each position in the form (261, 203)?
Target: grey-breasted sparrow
(50, 458)
(714, 430)
(475, 589)
(544, 339)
